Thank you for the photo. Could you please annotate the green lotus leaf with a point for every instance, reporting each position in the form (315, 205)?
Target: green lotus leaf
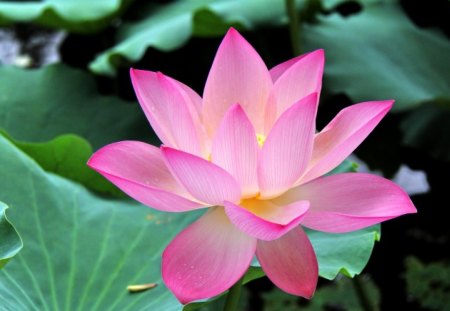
(380, 54)
(56, 100)
(83, 16)
(81, 251)
(10, 242)
(66, 155)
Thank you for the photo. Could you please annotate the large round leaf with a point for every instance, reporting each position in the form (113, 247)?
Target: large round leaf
(81, 251)
(73, 15)
(67, 155)
(10, 242)
(380, 54)
(38, 105)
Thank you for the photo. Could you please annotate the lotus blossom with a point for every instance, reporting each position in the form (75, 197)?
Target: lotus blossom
(248, 152)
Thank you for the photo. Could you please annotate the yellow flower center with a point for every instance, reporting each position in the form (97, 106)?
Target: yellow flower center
(260, 138)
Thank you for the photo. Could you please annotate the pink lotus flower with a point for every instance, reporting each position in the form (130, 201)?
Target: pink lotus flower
(249, 153)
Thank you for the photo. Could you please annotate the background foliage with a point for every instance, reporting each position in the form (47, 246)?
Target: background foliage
(84, 242)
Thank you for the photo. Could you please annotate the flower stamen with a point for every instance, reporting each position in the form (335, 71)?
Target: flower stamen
(260, 138)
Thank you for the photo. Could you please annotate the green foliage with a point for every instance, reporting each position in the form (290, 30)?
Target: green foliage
(73, 15)
(427, 128)
(207, 23)
(169, 27)
(66, 155)
(380, 54)
(345, 167)
(347, 253)
(11, 242)
(253, 273)
(57, 100)
(339, 295)
(81, 251)
(428, 284)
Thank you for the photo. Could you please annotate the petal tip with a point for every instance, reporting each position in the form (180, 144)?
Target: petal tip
(160, 75)
(94, 160)
(165, 149)
(312, 98)
(318, 56)
(234, 36)
(236, 108)
(319, 52)
(232, 32)
(139, 76)
(385, 105)
(166, 153)
(409, 207)
(90, 161)
(309, 293)
(389, 103)
(135, 72)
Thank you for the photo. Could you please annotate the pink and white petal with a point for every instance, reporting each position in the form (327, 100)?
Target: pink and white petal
(266, 221)
(270, 114)
(287, 149)
(204, 180)
(271, 106)
(194, 104)
(169, 110)
(350, 201)
(206, 258)
(279, 69)
(290, 263)
(139, 170)
(235, 149)
(237, 75)
(194, 98)
(342, 135)
(299, 80)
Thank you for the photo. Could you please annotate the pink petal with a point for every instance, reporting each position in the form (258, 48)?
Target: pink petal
(265, 220)
(206, 181)
(271, 106)
(299, 80)
(279, 69)
(238, 75)
(195, 109)
(351, 201)
(290, 263)
(287, 150)
(171, 111)
(206, 258)
(343, 134)
(139, 170)
(235, 149)
(194, 100)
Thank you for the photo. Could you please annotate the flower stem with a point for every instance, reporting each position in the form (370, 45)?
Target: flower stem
(294, 27)
(233, 296)
(361, 292)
